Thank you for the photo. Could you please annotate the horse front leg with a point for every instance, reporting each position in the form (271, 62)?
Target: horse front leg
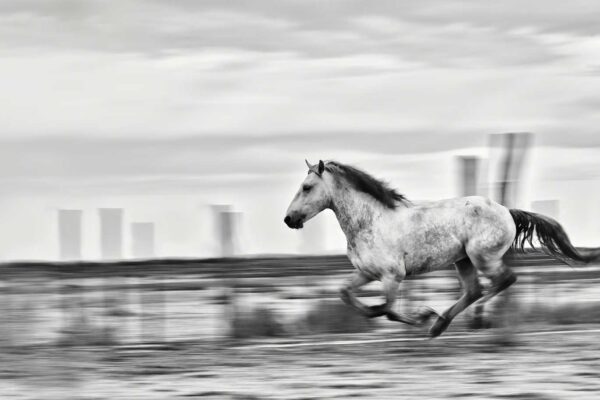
(391, 283)
(358, 280)
(348, 296)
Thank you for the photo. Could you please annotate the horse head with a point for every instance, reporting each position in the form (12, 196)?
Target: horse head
(312, 197)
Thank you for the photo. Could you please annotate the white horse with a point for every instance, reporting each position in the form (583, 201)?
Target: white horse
(390, 237)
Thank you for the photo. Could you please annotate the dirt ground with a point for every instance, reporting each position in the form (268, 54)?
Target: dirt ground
(472, 365)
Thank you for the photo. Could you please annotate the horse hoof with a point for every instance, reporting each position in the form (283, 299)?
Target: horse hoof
(425, 314)
(376, 311)
(440, 325)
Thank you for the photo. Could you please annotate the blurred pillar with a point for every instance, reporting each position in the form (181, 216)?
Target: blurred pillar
(515, 147)
(69, 234)
(111, 233)
(468, 173)
(226, 220)
(226, 229)
(142, 238)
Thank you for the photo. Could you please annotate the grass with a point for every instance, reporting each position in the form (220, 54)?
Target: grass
(562, 314)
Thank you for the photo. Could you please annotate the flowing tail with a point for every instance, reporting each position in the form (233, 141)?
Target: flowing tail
(551, 235)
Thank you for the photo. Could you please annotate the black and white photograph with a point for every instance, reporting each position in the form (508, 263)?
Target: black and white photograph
(299, 199)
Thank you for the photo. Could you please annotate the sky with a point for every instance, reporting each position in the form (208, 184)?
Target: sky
(167, 107)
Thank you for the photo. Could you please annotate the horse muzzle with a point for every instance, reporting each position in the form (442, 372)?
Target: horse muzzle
(294, 221)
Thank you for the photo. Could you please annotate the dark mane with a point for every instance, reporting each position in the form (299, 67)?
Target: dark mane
(365, 183)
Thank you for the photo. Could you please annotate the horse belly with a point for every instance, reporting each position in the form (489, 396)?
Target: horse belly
(431, 256)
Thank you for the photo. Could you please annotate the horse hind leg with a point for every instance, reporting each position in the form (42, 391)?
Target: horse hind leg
(500, 275)
(471, 293)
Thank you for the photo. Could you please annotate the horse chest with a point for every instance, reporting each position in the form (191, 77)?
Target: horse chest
(373, 258)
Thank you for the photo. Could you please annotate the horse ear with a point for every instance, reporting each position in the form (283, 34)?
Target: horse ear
(307, 163)
(321, 167)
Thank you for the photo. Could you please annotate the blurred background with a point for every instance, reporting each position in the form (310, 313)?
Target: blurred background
(162, 110)
(149, 150)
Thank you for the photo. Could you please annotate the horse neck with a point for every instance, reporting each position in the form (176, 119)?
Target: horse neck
(355, 212)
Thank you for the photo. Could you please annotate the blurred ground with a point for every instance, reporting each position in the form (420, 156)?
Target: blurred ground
(556, 366)
(275, 329)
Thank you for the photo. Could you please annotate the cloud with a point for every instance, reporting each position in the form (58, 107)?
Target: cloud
(281, 68)
(234, 157)
(433, 32)
(197, 156)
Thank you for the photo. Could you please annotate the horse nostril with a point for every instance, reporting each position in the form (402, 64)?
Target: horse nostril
(287, 220)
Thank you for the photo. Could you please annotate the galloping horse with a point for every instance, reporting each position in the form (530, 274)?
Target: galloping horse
(390, 237)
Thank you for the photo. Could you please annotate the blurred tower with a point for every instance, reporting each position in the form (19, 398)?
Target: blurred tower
(514, 147)
(468, 173)
(69, 234)
(226, 223)
(142, 239)
(513, 150)
(225, 229)
(111, 233)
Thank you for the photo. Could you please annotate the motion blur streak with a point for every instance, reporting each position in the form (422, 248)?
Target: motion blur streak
(148, 150)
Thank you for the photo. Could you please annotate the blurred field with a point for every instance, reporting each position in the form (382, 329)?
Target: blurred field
(273, 328)
(546, 367)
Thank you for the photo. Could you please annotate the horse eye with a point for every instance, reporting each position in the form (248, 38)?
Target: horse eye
(306, 188)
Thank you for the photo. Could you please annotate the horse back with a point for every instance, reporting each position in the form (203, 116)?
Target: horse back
(436, 234)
